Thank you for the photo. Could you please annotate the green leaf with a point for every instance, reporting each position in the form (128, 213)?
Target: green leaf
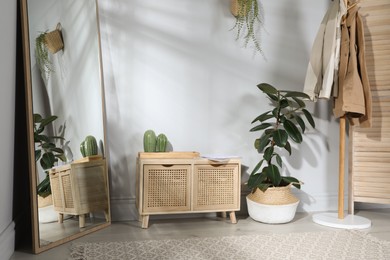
(41, 138)
(280, 137)
(292, 131)
(48, 145)
(57, 150)
(39, 130)
(288, 147)
(257, 144)
(309, 118)
(267, 88)
(283, 103)
(273, 97)
(62, 157)
(38, 154)
(275, 112)
(47, 160)
(299, 102)
(287, 180)
(37, 118)
(48, 120)
(263, 186)
(262, 117)
(268, 153)
(257, 167)
(278, 159)
(273, 174)
(264, 141)
(296, 94)
(256, 179)
(300, 122)
(260, 127)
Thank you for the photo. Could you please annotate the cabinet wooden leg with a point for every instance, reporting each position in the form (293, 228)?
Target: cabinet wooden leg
(233, 217)
(223, 214)
(81, 220)
(106, 215)
(60, 218)
(145, 221)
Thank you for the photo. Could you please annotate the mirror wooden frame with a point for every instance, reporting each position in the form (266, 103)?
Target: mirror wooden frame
(36, 247)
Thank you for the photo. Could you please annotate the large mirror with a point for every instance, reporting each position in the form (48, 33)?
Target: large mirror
(66, 120)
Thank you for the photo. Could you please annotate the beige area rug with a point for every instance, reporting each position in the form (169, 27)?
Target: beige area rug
(309, 245)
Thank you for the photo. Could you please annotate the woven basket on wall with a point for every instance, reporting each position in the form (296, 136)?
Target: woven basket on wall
(54, 40)
(235, 8)
(274, 196)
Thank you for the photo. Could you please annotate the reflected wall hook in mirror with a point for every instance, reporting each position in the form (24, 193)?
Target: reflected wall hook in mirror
(70, 214)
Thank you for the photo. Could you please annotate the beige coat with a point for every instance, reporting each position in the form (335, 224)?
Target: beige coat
(323, 63)
(354, 96)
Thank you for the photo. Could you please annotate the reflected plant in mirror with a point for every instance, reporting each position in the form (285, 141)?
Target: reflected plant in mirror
(46, 150)
(42, 55)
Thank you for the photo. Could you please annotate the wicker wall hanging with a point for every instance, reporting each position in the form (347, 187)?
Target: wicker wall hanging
(54, 40)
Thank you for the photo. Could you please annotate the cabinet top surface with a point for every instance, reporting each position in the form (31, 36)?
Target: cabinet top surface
(198, 160)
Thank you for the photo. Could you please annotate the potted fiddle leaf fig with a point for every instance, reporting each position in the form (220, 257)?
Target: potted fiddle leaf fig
(249, 19)
(271, 200)
(46, 151)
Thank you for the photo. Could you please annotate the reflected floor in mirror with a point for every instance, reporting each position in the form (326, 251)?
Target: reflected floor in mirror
(53, 231)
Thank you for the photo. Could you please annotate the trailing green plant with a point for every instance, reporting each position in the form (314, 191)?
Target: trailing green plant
(284, 122)
(46, 150)
(248, 16)
(42, 55)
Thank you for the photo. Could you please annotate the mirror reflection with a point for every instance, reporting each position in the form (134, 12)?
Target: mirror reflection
(66, 88)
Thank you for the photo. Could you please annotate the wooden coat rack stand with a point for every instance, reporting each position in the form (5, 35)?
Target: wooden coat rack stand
(339, 219)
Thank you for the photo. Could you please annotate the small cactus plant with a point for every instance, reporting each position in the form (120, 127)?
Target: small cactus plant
(161, 143)
(89, 147)
(149, 141)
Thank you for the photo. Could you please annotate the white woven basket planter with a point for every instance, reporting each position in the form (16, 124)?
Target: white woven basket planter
(274, 206)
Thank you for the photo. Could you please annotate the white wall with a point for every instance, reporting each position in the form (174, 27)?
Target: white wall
(7, 108)
(174, 66)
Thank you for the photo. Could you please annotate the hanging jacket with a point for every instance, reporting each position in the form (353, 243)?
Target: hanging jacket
(322, 70)
(354, 96)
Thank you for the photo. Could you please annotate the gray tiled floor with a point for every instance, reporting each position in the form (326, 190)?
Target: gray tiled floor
(200, 227)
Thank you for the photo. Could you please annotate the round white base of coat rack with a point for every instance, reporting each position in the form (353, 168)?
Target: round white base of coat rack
(348, 222)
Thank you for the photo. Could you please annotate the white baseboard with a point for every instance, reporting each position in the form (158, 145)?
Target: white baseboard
(7, 241)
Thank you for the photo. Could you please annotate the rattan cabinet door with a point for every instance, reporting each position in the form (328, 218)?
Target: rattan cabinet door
(167, 188)
(216, 187)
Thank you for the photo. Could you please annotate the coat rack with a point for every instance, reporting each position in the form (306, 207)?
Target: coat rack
(339, 220)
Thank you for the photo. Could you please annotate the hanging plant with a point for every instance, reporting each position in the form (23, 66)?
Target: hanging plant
(248, 20)
(42, 55)
(45, 42)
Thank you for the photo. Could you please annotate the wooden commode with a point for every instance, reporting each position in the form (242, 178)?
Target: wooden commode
(176, 182)
(80, 188)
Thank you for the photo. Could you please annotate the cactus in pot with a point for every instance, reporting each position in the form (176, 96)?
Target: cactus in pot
(149, 141)
(161, 143)
(89, 146)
